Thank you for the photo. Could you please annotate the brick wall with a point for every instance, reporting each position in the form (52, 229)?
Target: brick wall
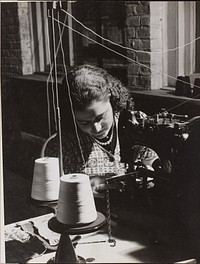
(138, 38)
(10, 39)
(16, 43)
(15, 38)
(11, 64)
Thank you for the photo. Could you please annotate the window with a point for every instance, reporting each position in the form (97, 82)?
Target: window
(41, 35)
(107, 19)
(174, 24)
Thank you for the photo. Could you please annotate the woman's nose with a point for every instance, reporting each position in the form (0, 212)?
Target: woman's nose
(96, 127)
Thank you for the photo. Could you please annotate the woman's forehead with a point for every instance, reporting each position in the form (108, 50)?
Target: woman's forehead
(96, 108)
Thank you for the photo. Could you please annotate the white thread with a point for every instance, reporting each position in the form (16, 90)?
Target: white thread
(58, 129)
(141, 64)
(45, 145)
(45, 185)
(47, 83)
(133, 61)
(127, 48)
(76, 202)
(51, 69)
(71, 106)
(134, 49)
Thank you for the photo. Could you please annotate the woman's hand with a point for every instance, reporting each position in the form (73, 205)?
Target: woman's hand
(95, 182)
(99, 186)
(140, 115)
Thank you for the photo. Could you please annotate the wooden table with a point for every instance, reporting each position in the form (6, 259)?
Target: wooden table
(134, 244)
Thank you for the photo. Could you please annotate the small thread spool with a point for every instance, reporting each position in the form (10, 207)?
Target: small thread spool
(76, 204)
(183, 86)
(45, 185)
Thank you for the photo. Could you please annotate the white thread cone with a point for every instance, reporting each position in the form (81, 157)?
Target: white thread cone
(76, 202)
(46, 179)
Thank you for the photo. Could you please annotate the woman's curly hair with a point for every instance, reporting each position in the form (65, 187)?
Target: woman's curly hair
(88, 83)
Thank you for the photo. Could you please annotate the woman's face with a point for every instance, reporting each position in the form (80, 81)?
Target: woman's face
(96, 119)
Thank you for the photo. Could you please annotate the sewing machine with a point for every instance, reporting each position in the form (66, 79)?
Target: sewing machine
(162, 178)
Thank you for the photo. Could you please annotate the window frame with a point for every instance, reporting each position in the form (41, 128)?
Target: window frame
(176, 21)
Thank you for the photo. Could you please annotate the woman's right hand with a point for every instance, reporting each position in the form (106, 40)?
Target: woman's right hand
(99, 186)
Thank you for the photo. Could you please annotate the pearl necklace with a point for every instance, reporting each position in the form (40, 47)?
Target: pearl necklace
(107, 142)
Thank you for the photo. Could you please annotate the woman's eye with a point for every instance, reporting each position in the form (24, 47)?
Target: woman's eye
(87, 123)
(98, 119)
(84, 124)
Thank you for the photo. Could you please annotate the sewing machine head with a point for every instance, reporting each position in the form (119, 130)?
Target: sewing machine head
(163, 133)
(162, 150)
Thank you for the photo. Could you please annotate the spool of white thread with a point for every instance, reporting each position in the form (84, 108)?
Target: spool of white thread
(76, 202)
(46, 179)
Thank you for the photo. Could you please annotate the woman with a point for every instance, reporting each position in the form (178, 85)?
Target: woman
(92, 146)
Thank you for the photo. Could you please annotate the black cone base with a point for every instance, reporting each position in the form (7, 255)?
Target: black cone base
(80, 260)
(65, 252)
